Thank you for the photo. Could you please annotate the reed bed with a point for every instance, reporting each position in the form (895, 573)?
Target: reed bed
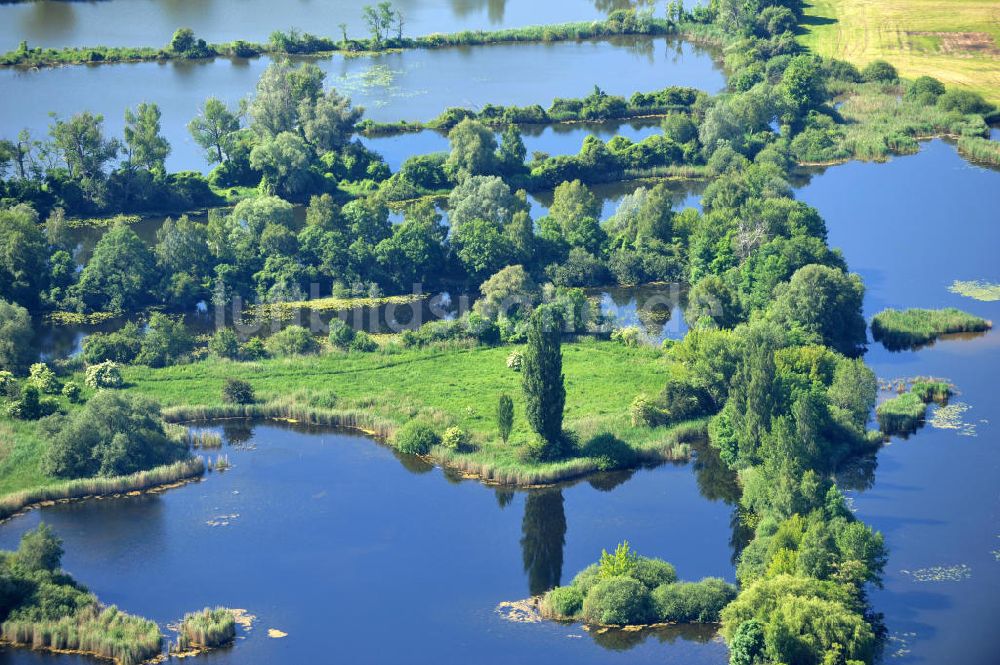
(103, 632)
(92, 487)
(203, 439)
(978, 149)
(902, 329)
(207, 629)
(355, 419)
(901, 415)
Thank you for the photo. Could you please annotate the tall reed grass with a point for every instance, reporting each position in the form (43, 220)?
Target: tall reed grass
(209, 628)
(981, 150)
(104, 632)
(90, 487)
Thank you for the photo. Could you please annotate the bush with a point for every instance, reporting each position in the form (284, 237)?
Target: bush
(225, 344)
(628, 336)
(43, 378)
(341, 334)
(454, 438)
(71, 391)
(564, 602)
(236, 391)
(291, 341)
(698, 602)
(253, 349)
(363, 342)
(515, 360)
(964, 101)
(165, 342)
(879, 70)
(8, 384)
(15, 337)
(610, 452)
(122, 346)
(644, 413)
(32, 405)
(618, 601)
(104, 375)
(654, 572)
(415, 438)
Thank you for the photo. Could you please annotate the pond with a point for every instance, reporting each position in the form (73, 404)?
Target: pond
(911, 227)
(54, 23)
(411, 85)
(351, 549)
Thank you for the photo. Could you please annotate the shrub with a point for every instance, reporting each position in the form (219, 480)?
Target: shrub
(363, 342)
(8, 384)
(122, 345)
(43, 378)
(253, 349)
(610, 452)
(165, 342)
(32, 405)
(654, 572)
(618, 601)
(963, 101)
(225, 344)
(291, 341)
(237, 391)
(341, 334)
(564, 602)
(515, 360)
(628, 336)
(454, 438)
(15, 336)
(104, 375)
(621, 563)
(415, 438)
(644, 413)
(879, 70)
(699, 602)
(71, 391)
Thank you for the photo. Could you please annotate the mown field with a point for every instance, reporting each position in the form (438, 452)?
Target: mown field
(452, 386)
(956, 41)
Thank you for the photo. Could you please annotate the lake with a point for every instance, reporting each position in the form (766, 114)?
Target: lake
(357, 551)
(911, 227)
(410, 85)
(55, 23)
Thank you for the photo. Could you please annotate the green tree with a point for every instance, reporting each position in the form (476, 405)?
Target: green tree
(576, 212)
(115, 433)
(81, 145)
(473, 150)
(823, 304)
(23, 256)
(15, 337)
(213, 129)
(483, 197)
(280, 94)
(145, 147)
(542, 378)
(287, 164)
(509, 293)
(481, 247)
(120, 274)
(512, 152)
(505, 416)
(40, 549)
(415, 252)
(328, 124)
(165, 342)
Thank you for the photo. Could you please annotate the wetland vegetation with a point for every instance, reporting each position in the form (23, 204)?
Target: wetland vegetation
(530, 386)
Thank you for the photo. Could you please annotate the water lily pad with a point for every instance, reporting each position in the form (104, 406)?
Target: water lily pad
(976, 289)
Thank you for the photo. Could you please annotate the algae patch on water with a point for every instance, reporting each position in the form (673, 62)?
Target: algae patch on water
(956, 573)
(520, 611)
(976, 289)
(276, 634)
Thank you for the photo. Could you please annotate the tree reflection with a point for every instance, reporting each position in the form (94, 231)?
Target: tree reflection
(543, 535)
(495, 9)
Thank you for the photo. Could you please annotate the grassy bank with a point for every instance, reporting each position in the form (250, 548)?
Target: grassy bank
(378, 392)
(901, 329)
(979, 149)
(15, 502)
(955, 41)
(295, 43)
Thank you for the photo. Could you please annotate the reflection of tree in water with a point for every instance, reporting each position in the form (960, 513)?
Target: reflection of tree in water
(543, 535)
(611, 5)
(605, 482)
(237, 432)
(494, 8)
(858, 473)
(716, 481)
(504, 497)
(623, 640)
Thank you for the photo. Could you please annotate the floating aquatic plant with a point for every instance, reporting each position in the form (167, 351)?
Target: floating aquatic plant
(955, 573)
(976, 289)
(951, 416)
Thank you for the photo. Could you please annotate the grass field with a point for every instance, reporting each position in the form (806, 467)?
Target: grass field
(450, 386)
(956, 41)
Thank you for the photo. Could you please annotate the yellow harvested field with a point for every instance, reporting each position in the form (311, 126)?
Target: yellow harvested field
(956, 41)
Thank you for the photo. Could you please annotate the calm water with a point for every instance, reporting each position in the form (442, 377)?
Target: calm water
(351, 550)
(152, 22)
(910, 228)
(412, 85)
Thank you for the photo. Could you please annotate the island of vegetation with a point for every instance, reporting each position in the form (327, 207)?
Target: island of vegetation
(532, 385)
(625, 589)
(903, 329)
(904, 414)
